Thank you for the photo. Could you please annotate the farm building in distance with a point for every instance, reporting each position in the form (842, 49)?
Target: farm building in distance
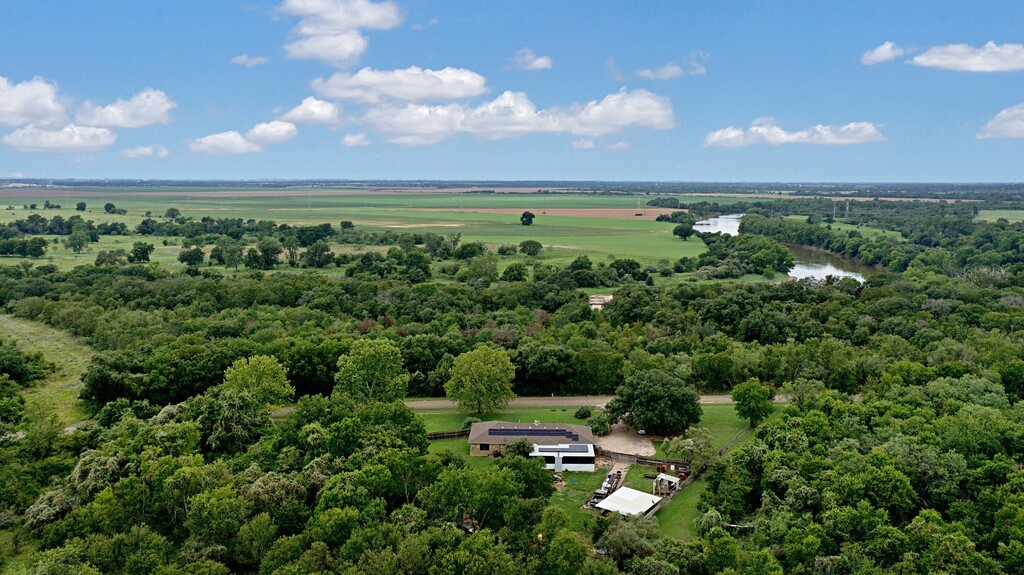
(598, 301)
(564, 447)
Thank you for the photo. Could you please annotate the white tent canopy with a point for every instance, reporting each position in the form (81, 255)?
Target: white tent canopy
(628, 501)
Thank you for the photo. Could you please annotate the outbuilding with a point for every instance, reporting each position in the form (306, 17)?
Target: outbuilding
(628, 502)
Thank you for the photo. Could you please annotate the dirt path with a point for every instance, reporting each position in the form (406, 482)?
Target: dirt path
(58, 392)
(549, 401)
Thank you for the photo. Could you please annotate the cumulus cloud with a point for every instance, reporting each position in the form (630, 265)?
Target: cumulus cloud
(1008, 123)
(411, 84)
(351, 140)
(249, 61)
(883, 53)
(71, 138)
(583, 144)
(991, 57)
(767, 131)
(146, 108)
(154, 151)
(329, 30)
(313, 111)
(525, 59)
(273, 132)
(223, 144)
(620, 146)
(31, 102)
(693, 65)
(512, 113)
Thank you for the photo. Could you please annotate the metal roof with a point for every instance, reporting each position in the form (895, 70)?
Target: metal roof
(628, 501)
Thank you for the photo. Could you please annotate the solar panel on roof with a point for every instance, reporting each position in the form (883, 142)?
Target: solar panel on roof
(576, 448)
(534, 433)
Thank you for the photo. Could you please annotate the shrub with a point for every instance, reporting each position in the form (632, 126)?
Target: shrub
(469, 421)
(600, 424)
(583, 412)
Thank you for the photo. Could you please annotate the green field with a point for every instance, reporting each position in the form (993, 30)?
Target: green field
(58, 392)
(565, 237)
(1012, 216)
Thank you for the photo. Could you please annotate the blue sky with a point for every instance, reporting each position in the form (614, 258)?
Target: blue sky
(677, 91)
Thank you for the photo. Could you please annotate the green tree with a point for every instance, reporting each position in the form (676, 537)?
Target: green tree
(527, 218)
(696, 446)
(192, 257)
(372, 370)
(140, 252)
(753, 401)
(172, 213)
(111, 258)
(515, 272)
(262, 376)
(80, 207)
(77, 241)
(318, 254)
(530, 247)
(269, 250)
(481, 380)
(564, 554)
(656, 401)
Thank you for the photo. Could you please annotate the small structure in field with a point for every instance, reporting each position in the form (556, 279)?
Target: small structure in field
(665, 484)
(564, 447)
(628, 501)
(599, 301)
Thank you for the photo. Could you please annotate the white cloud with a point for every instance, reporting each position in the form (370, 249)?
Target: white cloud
(71, 138)
(313, 111)
(223, 144)
(692, 65)
(154, 151)
(329, 30)
(355, 140)
(411, 84)
(424, 25)
(525, 59)
(620, 146)
(273, 132)
(767, 131)
(1008, 123)
(583, 144)
(882, 53)
(31, 102)
(512, 113)
(249, 61)
(666, 72)
(991, 57)
(146, 108)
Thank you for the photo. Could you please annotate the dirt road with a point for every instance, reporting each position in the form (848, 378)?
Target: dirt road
(558, 401)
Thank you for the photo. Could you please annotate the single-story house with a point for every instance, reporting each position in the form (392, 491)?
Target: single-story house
(564, 447)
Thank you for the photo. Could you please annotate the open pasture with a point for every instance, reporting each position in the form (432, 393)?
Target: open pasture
(603, 227)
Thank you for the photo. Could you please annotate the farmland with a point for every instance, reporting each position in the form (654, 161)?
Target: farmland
(603, 227)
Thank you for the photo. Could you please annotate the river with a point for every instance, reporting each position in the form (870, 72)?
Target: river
(807, 262)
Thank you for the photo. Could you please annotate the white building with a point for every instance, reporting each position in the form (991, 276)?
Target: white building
(566, 456)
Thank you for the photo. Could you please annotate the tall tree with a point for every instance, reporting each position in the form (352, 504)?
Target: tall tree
(753, 401)
(261, 375)
(656, 401)
(372, 370)
(481, 380)
(527, 218)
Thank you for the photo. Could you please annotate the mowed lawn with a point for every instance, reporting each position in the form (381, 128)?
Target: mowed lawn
(58, 392)
(453, 419)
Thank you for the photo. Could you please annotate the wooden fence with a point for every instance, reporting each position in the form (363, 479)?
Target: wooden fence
(634, 459)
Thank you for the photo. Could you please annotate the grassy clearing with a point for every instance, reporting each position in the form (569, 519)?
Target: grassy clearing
(452, 419)
(866, 231)
(1012, 216)
(677, 518)
(578, 489)
(58, 392)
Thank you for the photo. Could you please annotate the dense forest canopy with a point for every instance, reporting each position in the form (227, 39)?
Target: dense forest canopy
(900, 448)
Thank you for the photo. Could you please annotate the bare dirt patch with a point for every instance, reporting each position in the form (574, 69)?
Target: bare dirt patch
(622, 439)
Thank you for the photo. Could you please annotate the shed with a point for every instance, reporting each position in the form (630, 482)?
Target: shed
(628, 502)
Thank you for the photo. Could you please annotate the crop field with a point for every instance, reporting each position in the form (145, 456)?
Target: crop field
(603, 227)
